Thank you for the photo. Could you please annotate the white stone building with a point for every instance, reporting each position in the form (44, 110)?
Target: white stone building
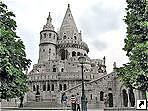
(58, 69)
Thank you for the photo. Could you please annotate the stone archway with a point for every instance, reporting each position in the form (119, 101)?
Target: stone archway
(131, 97)
(110, 99)
(125, 98)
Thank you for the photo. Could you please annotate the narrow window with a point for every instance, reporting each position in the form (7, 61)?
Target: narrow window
(60, 87)
(91, 96)
(64, 37)
(48, 87)
(49, 35)
(54, 69)
(52, 87)
(34, 88)
(65, 87)
(73, 53)
(101, 95)
(45, 35)
(75, 37)
(44, 87)
(78, 53)
(62, 70)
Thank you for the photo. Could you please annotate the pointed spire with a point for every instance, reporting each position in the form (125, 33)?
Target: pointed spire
(48, 25)
(68, 24)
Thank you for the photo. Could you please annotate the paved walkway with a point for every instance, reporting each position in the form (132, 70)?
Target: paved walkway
(42, 109)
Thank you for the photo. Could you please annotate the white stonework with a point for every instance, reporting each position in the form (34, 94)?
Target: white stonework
(58, 69)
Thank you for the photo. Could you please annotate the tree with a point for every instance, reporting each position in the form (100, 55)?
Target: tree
(13, 60)
(135, 73)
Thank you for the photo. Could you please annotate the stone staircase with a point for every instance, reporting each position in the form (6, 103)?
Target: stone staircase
(42, 104)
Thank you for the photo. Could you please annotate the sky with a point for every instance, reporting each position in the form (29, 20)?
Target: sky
(101, 23)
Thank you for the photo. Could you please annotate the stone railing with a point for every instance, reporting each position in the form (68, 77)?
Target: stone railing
(120, 109)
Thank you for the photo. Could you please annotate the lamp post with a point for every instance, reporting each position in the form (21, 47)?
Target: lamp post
(83, 97)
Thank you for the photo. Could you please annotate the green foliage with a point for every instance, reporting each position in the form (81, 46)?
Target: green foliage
(135, 73)
(13, 60)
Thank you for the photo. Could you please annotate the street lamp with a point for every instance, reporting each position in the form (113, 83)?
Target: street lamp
(83, 97)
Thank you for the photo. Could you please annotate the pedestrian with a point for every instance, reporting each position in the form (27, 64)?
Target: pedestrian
(105, 100)
(78, 102)
(21, 101)
(64, 99)
(73, 102)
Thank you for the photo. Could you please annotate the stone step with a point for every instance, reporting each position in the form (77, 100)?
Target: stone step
(42, 104)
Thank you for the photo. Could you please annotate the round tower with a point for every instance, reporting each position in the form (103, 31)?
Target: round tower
(48, 39)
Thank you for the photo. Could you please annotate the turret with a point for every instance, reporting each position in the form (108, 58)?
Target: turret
(48, 39)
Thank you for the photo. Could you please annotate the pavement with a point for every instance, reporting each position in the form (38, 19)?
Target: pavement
(42, 109)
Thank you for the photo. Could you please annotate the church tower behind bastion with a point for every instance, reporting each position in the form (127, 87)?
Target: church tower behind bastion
(58, 69)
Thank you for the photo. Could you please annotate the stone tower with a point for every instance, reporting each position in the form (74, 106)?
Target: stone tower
(70, 42)
(48, 39)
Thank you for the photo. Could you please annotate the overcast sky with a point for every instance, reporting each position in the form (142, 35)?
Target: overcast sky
(101, 23)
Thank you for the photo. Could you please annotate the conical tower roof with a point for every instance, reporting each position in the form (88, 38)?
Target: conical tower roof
(48, 25)
(68, 26)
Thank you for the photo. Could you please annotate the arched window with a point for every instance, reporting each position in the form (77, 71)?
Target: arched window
(48, 87)
(64, 37)
(78, 53)
(45, 35)
(109, 89)
(65, 87)
(101, 95)
(52, 87)
(125, 98)
(75, 37)
(110, 99)
(60, 87)
(73, 53)
(34, 88)
(91, 96)
(62, 70)
(84, 54)
(43, 50)
(49, 35)
(54, 69)
(44, 87)
(49, 50)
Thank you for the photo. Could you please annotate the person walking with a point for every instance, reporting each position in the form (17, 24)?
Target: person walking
(73, 102)
(64, 99)
(105, 100)
(78, 102)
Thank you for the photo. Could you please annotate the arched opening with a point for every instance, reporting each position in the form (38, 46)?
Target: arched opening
(34, 88)
(109, 89)
(101, 95)
(125, 98)
(75, 37)
(65, 87)
(131, 97)
(48, 87)
(73, 53)
(52, 87)
(64, 54)
(64, 37)
(44, 87)
(62, 70)
(60, 87)
(110, 99)
(91, 96)
(78, 53)
(84, 54)
(54, 69)
(37, 90)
